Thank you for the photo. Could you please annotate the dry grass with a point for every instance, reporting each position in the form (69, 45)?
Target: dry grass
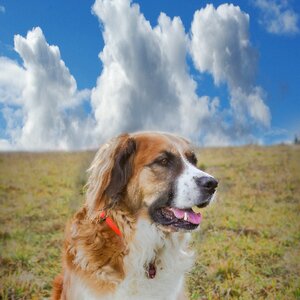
(248, 246)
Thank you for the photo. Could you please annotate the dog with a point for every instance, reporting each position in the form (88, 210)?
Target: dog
(130, 240)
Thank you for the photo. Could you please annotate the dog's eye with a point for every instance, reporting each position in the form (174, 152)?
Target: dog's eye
(165, 159)
(163, 162)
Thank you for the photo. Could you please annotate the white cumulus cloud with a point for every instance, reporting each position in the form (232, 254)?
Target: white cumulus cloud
(145, 82)
(220, 45)
(12, 81)
(40, 98)
(278, 17)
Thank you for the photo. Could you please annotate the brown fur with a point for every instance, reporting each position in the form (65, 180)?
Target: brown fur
(57, 287)
(105, 250)
(118, 183)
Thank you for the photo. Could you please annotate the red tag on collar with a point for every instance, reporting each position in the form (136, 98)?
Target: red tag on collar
(151, 272)
(110, 223)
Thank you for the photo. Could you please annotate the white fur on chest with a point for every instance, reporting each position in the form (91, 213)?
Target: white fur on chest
(172, 260)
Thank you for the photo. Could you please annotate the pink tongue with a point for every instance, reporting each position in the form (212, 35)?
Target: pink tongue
(192, 217)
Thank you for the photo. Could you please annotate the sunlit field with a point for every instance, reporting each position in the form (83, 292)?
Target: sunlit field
(248, 246)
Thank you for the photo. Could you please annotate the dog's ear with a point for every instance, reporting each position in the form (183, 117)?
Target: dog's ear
(122, 169)
(110, 172)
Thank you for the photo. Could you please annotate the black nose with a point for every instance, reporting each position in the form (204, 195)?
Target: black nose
(209, 184)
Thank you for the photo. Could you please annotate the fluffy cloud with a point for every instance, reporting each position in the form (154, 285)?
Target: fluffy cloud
(277, 16)
(40, 98)
(145, 82)
(220, 45)
(12, 79)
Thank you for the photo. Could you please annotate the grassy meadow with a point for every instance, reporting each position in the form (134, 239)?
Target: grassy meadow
(248, 246)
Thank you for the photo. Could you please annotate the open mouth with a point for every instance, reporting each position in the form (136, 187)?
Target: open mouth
(177, 218)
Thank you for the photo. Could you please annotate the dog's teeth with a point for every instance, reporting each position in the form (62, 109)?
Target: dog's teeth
(185, 216)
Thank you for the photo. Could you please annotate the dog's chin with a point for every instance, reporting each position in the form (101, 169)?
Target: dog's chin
(171, 219)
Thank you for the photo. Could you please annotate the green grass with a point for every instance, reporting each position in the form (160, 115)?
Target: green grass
(248, 246)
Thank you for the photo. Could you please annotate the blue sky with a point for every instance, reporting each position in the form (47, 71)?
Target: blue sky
(78, 33)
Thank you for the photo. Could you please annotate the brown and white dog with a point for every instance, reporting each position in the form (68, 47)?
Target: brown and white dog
(130, 239)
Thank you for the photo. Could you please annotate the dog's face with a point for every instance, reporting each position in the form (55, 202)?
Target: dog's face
(168, 181)
(158, 172)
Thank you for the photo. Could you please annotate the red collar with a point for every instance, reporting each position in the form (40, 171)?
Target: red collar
(110, 223)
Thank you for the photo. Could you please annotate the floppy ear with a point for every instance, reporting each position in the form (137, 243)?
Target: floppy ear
(110, 172)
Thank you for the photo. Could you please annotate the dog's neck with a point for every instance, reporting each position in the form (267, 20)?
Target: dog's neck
(151, 248)
(143, 251)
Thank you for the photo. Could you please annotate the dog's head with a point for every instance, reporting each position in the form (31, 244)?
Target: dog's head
(152, 172)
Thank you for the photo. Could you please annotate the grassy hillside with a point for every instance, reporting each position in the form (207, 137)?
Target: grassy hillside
(248, 246)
